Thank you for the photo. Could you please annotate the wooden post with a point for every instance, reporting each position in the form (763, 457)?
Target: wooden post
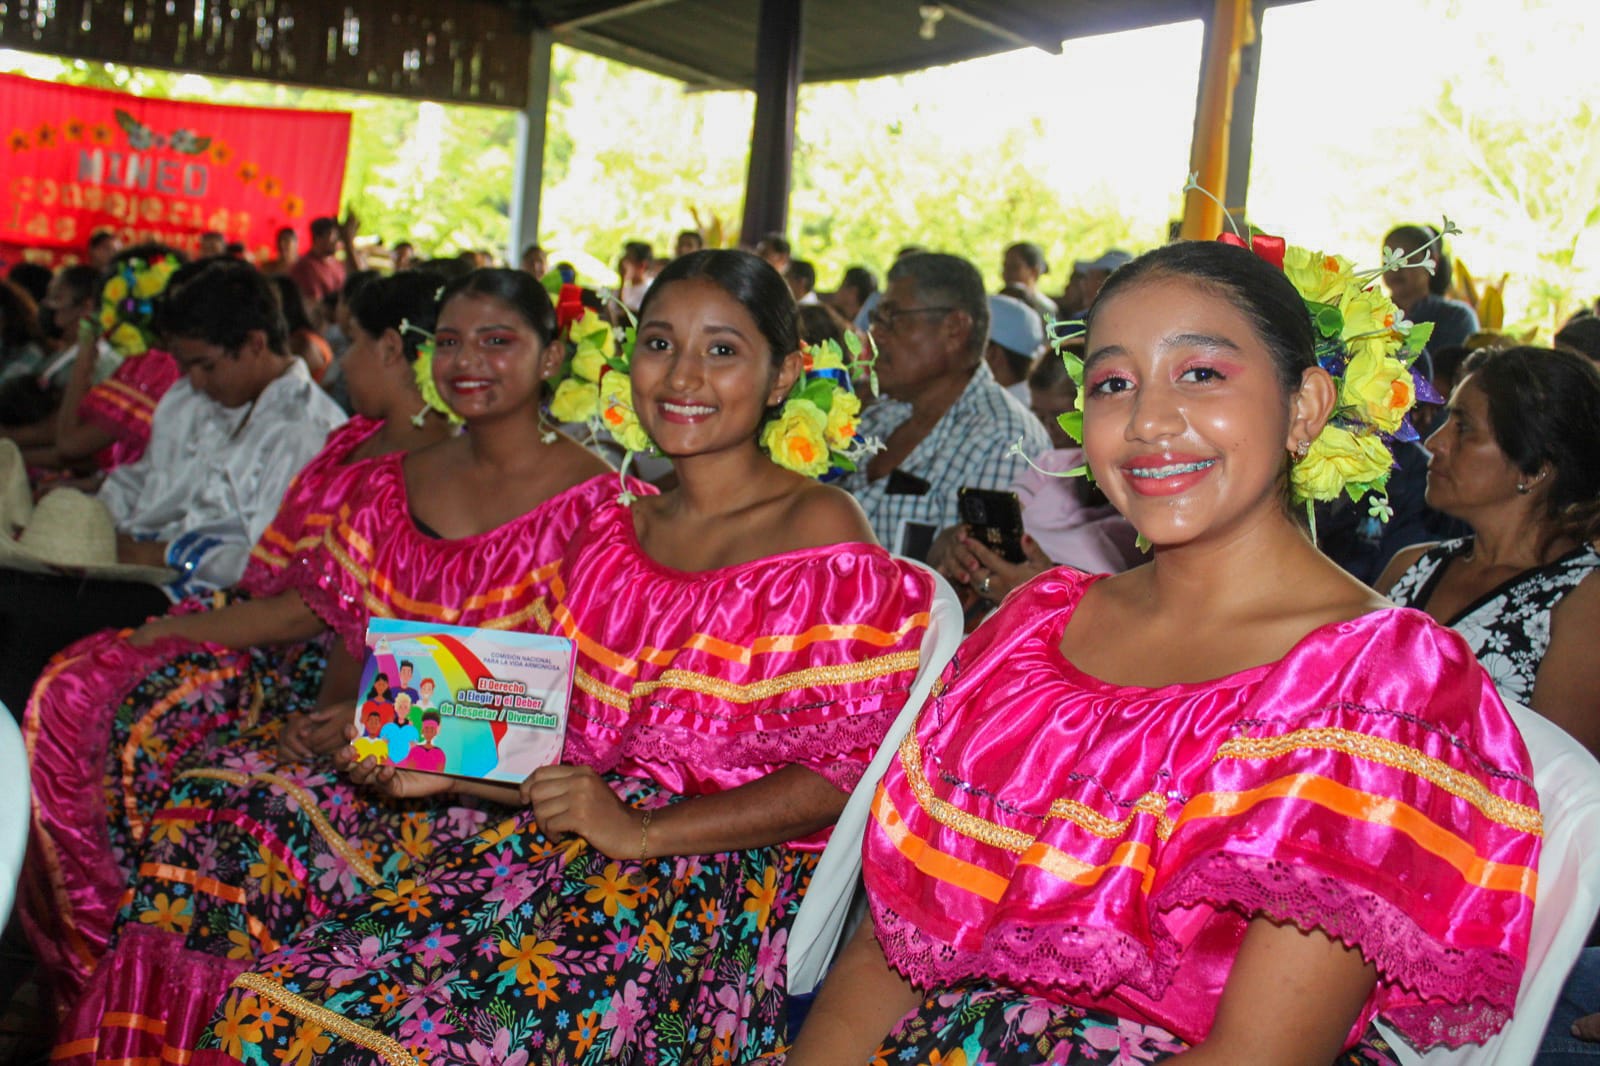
(530, 150)
(778, 63)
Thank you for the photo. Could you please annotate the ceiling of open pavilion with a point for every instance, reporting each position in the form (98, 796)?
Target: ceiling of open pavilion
(478, 51)
(710, 42)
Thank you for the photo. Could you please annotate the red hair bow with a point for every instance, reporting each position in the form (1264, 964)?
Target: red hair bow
(1266, 247)
(569, 306)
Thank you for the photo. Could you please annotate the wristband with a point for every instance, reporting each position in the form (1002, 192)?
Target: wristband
(644, 834)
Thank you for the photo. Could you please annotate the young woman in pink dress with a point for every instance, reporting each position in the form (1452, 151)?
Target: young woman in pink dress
(1229, 806)
(742, 647)
(263, 834)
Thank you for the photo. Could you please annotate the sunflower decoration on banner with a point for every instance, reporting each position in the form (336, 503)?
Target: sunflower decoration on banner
(815, 432)
(1364, 343)
(127, 303)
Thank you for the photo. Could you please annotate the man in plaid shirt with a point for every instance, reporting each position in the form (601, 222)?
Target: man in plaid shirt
(945, 422)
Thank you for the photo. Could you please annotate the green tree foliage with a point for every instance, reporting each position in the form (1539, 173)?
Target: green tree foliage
(878, 164)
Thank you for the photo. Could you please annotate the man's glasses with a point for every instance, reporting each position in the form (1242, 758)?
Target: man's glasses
(888, 321)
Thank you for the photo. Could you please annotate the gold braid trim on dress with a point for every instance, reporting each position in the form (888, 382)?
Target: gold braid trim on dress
(1086, 817)
(732, 692)
(1015, 840)
(308, 804)
(390, 1050)
(1396, 756)
(950, 816)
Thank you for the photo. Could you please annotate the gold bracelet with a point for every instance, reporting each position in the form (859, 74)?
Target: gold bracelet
(644, 835)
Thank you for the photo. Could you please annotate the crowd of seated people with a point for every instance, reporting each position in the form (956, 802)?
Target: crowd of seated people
(1086, 848)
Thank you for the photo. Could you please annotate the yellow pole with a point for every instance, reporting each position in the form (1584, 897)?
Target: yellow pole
(1231, 29)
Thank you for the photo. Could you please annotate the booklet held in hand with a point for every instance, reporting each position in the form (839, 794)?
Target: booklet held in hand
(487, 704)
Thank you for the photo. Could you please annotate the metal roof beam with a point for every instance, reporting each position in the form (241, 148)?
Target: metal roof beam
(638, 57)
(614, 11)
(1004, 33)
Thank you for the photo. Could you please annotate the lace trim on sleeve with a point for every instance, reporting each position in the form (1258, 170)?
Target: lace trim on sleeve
(1056, 957)
(1431, 992)
(330, 600)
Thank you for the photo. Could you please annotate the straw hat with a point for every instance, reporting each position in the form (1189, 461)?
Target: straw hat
(68, 533)
(16, 500)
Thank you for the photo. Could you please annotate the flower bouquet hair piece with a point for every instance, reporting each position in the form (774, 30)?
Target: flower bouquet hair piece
(1367, 346)
(816, 431)
(127, 302)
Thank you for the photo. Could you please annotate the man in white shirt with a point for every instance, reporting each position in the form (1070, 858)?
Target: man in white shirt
(802, 279)
(225, 442)
(636, 274)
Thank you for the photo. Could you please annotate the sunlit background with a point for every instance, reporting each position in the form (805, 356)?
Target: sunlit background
(1370, 112)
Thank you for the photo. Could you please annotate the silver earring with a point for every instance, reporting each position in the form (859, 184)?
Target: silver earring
(1302, 450)
(1522, 488)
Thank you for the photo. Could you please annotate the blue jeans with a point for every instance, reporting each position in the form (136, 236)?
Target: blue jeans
(1579, 996)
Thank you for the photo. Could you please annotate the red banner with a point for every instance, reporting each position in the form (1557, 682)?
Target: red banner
(74, 161)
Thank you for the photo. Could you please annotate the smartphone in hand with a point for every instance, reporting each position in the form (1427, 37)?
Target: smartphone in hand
(994, 518)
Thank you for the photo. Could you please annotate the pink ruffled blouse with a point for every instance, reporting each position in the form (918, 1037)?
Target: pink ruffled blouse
(706, 681)
(373, 561)
(1105, 845)
(307, 508)
(124, 403)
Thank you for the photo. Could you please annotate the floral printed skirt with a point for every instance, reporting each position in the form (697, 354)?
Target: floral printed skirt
(242, 855)
(516, 950)
(987, 1026)
(109, 727)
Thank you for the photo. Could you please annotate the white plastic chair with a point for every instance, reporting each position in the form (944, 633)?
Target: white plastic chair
(1568, 780)
(13, 809)
(832, 903)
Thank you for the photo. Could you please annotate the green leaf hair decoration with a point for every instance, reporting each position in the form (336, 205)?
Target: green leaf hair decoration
(422, 374)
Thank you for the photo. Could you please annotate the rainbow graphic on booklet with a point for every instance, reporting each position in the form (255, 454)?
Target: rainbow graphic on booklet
(482, 703)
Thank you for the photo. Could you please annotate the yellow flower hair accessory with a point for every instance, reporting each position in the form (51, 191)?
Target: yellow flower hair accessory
(127, 303)
(1366, 345)
(592, 385)
(816, 433)
(422, 373)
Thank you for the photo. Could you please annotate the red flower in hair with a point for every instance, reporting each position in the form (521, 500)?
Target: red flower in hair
(569, 306)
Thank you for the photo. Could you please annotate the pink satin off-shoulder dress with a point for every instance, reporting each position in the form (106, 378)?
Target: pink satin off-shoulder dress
(1105, 846)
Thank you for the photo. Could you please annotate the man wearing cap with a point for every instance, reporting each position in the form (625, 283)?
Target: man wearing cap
(1016, 337)
(225, 442)
(1087, 277)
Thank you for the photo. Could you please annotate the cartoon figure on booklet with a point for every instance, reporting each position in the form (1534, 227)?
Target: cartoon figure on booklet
(371, 745)
(424, 755)
(405, 683)
(400, 734)
(379, 701)
(425, 697)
